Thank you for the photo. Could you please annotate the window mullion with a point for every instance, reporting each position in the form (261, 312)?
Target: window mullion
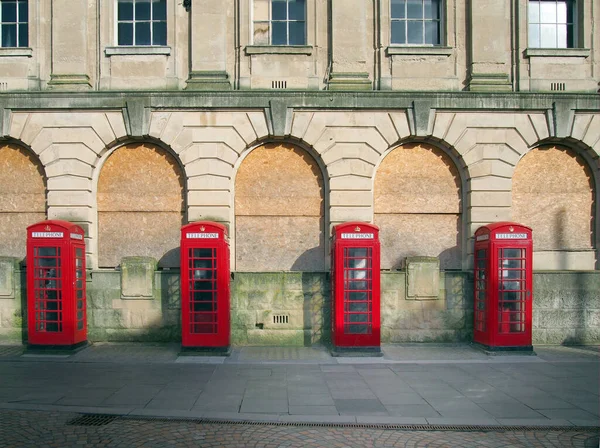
(134, 40)
(151, 23)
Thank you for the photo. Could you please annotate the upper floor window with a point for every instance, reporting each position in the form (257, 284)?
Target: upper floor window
(551, 23)
(141, 22)
(14, 29)
(279, 22)
(416, 22)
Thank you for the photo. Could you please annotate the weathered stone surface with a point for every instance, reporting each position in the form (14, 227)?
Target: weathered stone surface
(423, 278)
(140, 206)
(288, 243)
(565, 307)
(279, 209)
(22, 197)
(417, 179)
(279, 180)
(407, 235)
(553, 194)
(137, 277)
(8, 269)
(417, 206)
(258, 297)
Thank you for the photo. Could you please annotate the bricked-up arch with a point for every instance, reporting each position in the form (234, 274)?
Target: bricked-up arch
(140, 206)
(418, 206)
(22, 197)
(553, 193)
(279, 211)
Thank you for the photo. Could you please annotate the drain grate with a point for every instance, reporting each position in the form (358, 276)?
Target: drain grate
(104, 419)
(397, 427)
(93, 420)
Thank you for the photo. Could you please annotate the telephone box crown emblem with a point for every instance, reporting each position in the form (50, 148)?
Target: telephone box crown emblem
(47, 228)
(357, 229)
(202, 228)
(511, 228)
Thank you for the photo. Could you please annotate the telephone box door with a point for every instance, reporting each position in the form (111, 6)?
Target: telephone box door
(56, 284)
(356, 285)
(205, 285)
(503, 285)
(514, 293)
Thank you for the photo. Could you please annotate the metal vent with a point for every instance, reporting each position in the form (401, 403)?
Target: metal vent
(3, 86)
(558, 86)
(279, 84)
(281, 319)
(93, 420)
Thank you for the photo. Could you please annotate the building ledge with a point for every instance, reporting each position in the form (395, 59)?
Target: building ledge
(557, 52)
(428, 51)
(279, 49)
(143, 50)
(16, 52)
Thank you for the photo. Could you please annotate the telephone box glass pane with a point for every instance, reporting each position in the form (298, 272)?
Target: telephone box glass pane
(358, 315)
(480, 290)
(512, 287)
(203, 290)
(47, 283)
(80, 287)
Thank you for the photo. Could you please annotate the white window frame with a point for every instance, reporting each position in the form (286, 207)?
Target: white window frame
(556, 25)
(270, 22)
(440, 21)
(151, 20)
(18, 23)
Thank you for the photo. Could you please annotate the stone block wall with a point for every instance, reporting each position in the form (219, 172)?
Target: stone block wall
(294, 308)
(566, 307)
(115, 317)
(280, 308)
(423, 318)
(13, 300)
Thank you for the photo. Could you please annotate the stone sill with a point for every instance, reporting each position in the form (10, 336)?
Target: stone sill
(423, 51)
(141, 50)
(557, 52)
(16, 52)
(279, 49)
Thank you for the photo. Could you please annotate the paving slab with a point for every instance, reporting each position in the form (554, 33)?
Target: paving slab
(312, 410)
(264, 406)
(510, 410)
(360, 407)
(412, 381)
(412, 410)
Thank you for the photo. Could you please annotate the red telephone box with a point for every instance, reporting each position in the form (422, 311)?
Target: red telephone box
(355, 261)
(56, 289)
(205, 287)
(503, 286)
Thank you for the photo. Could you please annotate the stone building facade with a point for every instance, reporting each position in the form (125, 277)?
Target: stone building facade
(282, 118)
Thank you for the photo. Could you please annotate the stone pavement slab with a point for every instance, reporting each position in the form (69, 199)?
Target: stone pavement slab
(460, 385)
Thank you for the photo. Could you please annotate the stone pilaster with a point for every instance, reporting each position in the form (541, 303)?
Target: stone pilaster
(70, 64)
(349, 36)
(490, 48)
(208, 52)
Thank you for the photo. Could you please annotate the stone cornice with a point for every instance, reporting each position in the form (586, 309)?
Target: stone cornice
(297, 100)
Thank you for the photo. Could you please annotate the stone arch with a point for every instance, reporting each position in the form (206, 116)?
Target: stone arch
(141, 206)
(418, 206)
(279, 210)
(553, 193)
(22, 197)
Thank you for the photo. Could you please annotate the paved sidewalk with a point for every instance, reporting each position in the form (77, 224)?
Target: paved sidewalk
(413, 384)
